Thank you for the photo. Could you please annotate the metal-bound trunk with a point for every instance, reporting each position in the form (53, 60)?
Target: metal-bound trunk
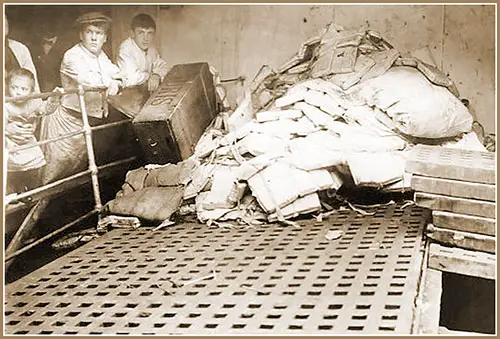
(176, 115)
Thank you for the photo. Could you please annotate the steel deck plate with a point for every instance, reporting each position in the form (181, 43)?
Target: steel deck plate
(270, 279)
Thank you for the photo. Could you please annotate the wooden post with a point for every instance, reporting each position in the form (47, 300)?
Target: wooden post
(431, 303)
(428, 300)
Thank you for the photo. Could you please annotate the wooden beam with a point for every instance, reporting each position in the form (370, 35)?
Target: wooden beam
(430, 307)
(438, 202)
(457, 260)
(465, 223)
(455, 188)
(477, 242)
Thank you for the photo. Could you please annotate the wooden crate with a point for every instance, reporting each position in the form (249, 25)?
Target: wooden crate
(457, 205)
(450, 163)
(462, 222)
(176, 115)
(454, 188)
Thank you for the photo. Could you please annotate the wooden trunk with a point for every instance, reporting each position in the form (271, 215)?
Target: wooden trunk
(176, 115)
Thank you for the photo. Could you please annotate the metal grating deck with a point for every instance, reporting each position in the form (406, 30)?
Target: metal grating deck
(269, 280)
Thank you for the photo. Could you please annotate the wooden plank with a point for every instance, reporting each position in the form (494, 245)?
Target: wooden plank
(453, 188)
(458, 205)
(457, 260)
(465, 240)
(451, 163)
(462, 222)
(430, 308)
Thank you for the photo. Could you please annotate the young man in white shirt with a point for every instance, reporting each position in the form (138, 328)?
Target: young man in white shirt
(84, 64)
(138, 59)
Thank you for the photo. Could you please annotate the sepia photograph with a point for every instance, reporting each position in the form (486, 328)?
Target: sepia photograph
(249, 169)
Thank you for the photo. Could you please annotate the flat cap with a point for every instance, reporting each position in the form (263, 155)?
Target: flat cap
(93, 17)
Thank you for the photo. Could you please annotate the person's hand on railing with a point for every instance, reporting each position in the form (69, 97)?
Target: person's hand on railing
(114, 87)
(153, 82)
(20, 132)
(53, 102)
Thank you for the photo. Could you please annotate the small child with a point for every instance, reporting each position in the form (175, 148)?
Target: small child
(21, 117)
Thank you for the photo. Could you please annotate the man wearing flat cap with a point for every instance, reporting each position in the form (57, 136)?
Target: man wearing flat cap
(84, 64)
(87, 64)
